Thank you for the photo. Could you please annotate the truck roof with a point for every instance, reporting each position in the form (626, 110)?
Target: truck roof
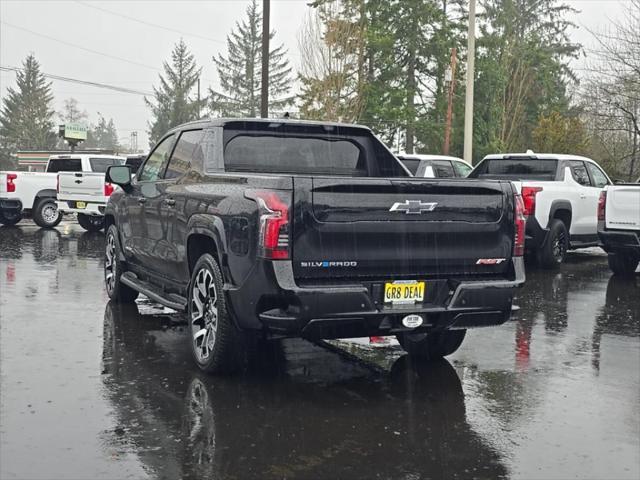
(221, 122)
(534, 156)
(85, 155)
(422, 156)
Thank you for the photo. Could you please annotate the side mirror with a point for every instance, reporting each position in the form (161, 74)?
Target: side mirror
(120, 175)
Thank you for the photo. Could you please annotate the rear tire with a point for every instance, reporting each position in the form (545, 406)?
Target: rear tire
(623, 265)
(113, 270)
(91, 223)
(554, 250)
(46, 213)
(216, 343)
(433, 345)
(10, 218)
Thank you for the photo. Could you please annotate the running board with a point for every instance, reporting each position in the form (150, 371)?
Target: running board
(170, 300)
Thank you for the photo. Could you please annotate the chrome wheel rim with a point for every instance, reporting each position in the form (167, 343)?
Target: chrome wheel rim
(204, 314)
(110, 263)
(50, 212)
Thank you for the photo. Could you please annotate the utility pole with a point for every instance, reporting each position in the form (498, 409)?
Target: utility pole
(450, 76)
(264, 95)
(199, 109)
(468, 103)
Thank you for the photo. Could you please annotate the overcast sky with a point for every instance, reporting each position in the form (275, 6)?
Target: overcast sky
(123, 43)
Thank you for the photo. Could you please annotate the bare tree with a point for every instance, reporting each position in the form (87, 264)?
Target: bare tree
(612, 92)
(332, 46)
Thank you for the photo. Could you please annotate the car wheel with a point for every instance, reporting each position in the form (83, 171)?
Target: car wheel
(113, 270)
(216, 343)
(554, 250)
(623, 265)
(46, 213)
(10, 218)
(433, 345)
(91, 223)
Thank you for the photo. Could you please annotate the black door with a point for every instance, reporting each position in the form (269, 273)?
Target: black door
(145, 204)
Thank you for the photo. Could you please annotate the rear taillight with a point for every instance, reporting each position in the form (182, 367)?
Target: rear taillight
(529, 199)
(108, 189)
(11, 186)
(273, 238)
(520, 225)
(58, 183)
(602, 208)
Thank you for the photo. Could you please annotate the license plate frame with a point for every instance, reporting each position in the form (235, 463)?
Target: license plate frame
(404, 292)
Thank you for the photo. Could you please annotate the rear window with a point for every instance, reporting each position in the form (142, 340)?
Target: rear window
(411, 163)
(64, 165)
(294, 154)
(100, 165)
(517, 169)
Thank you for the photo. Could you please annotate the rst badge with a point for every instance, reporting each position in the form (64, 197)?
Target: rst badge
(413, 207)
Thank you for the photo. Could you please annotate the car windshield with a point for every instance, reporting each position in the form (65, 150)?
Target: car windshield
(517, 169)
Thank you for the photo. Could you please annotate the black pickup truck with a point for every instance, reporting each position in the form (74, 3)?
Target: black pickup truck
(275, 228)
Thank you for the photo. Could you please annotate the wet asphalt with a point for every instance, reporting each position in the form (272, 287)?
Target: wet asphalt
(95, 391)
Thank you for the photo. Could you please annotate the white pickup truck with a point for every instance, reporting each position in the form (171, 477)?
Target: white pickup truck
(84, 192)
(560, 194)
(24, 194)
(619, 226)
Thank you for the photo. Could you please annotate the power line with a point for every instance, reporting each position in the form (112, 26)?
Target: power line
(150, 24)
(83, 82)
(132, 62)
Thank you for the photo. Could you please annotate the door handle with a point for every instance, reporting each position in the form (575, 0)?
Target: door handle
(169, 202)
(142, 200)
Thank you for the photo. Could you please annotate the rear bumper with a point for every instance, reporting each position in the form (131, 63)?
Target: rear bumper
(91, 208)
(620, 241)
(12, 205)
(328, 311)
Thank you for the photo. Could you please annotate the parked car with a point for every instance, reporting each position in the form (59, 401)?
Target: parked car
(85, 192)
(619, 226)
(265, 228)
(34, 193)
(435, 166)
(560, 194)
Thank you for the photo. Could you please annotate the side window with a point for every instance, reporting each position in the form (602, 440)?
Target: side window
(461, 169)
(188, 154)
(579, 173)
(598, 177)
(443, 168)
(153, 166)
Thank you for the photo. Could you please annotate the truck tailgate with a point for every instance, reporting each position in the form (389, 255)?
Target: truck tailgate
(623, 207)
(387, 228)
(80, 185)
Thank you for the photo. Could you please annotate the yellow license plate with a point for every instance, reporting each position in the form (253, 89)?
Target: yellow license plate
(81, 205)
(408, 291)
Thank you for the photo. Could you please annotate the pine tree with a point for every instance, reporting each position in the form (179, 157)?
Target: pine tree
(241, 71)
(173, 101)
(103, 135)
(26, 119)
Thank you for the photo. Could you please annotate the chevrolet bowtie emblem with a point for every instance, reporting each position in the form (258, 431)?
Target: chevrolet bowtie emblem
(413, 207)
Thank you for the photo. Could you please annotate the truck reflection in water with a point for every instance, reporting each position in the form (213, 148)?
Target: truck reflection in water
(305, 412)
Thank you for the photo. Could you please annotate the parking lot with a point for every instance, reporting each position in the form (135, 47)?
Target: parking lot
(92, 390)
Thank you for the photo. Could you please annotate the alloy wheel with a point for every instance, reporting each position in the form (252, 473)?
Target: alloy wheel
(204, 314)
(110, 263)
(559, 247)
